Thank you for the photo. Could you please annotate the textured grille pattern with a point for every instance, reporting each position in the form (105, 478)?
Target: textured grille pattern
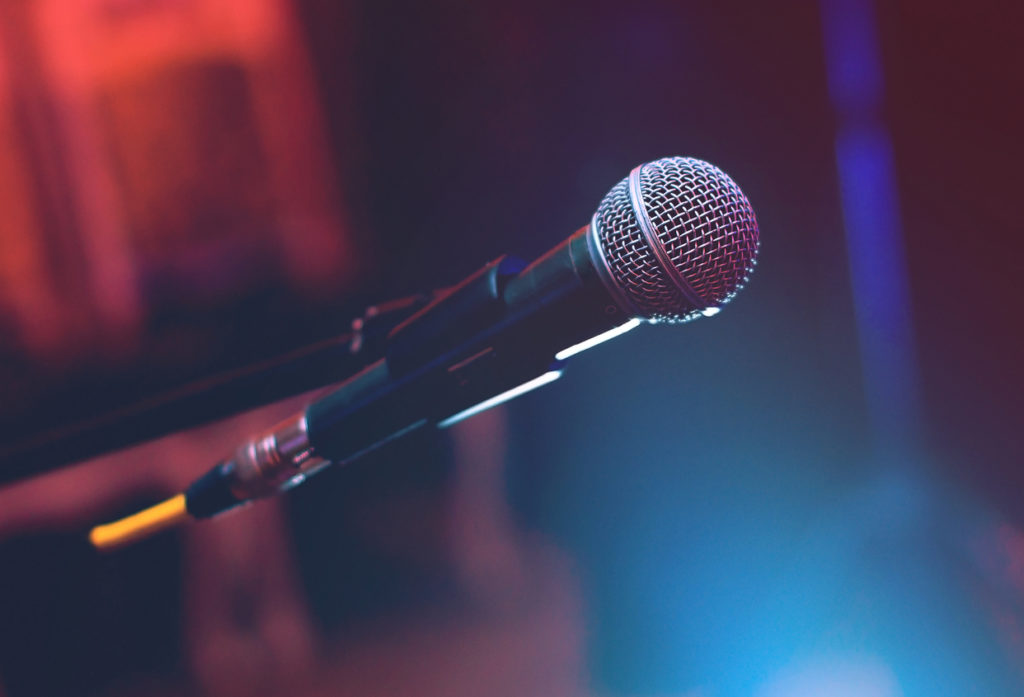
(633, 264)
(705, 225)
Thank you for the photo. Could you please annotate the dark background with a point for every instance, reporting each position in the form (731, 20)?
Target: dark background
(722, 487)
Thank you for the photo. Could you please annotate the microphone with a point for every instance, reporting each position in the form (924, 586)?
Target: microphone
(675, 240)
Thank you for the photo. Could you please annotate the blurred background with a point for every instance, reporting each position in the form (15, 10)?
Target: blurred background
(814, 493)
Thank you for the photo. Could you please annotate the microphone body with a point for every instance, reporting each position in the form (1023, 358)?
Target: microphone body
(673, 241)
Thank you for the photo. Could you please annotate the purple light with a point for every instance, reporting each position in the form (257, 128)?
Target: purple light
(868, 189)
(851, 52)
(878, 278)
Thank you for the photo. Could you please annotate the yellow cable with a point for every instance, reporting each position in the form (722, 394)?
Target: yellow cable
(140, 525)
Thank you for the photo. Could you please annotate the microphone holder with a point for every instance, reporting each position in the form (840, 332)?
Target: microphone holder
(209, 399)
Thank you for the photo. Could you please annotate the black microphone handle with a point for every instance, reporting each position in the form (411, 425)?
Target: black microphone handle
(499, 329)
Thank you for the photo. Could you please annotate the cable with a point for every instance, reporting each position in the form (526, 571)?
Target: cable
(139, 525)
(309, 367)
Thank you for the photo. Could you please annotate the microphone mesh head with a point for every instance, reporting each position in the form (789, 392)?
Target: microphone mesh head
(678, 239)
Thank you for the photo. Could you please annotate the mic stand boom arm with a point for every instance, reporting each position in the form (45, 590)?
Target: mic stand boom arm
(323, 363)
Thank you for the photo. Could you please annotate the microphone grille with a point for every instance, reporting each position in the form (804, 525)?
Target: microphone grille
(677, 239)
